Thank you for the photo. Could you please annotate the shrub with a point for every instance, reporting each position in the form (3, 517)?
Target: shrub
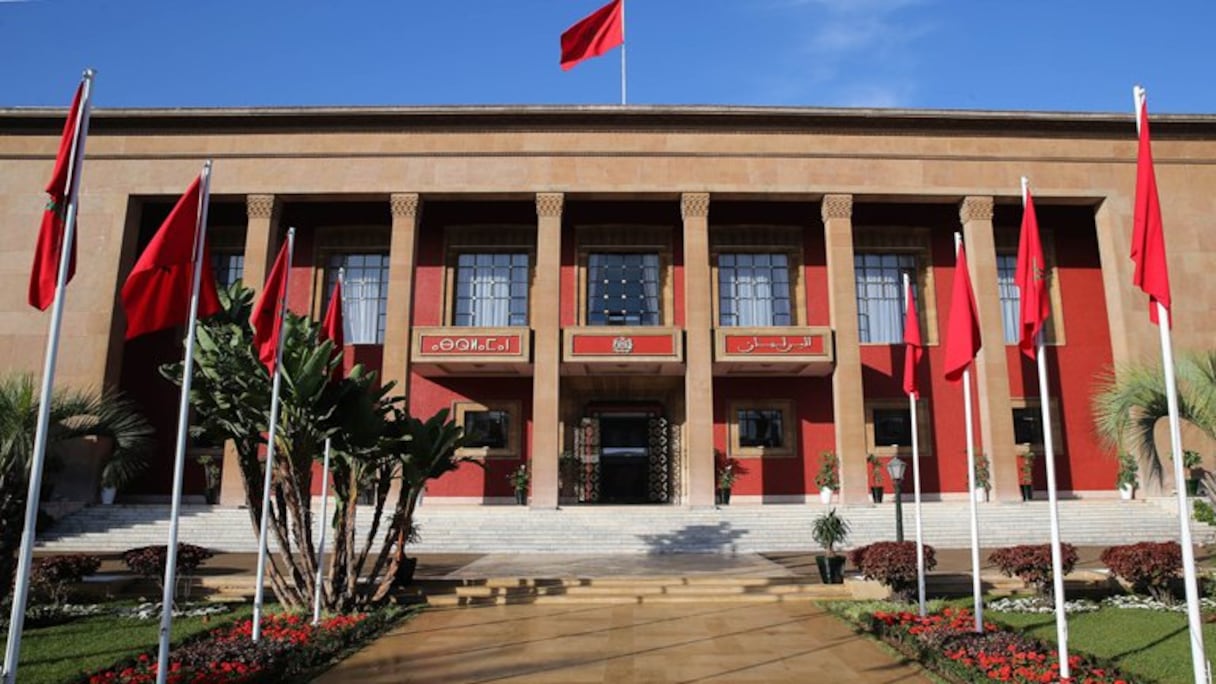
(54, 576)
(149, 561)
(1032, 564)
(1147, 566)
(893, 564)
(1204, 513)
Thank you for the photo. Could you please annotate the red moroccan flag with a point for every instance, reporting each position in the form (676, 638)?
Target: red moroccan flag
(267, 318)
(44, 275)
(331, 327)
(157, 293)
(963, 328)
(914, 348)
(593, 36)
(1030, 275)
(1148, 236)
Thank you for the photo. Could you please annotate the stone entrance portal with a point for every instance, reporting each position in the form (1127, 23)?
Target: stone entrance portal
(625, 456)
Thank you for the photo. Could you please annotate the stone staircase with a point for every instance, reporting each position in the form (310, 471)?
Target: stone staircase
(648, 529)
(626, 590)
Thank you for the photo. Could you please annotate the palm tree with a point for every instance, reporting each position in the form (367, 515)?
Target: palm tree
(1127, 405)
(74, 413)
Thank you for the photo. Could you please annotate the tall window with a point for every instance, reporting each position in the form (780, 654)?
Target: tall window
(880, 299)
(1006, 267)
(228, 268)
(364, 295)
(491, 290)
(623, 289)
(753, 290)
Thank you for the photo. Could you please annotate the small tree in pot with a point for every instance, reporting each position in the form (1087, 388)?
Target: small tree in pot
(828, 477)
(876, 469)
(1026, 475)
(829, 531)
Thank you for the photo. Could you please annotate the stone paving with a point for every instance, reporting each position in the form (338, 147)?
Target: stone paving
(768, 643)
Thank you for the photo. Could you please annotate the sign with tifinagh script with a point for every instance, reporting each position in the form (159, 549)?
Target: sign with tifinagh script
(457, 345)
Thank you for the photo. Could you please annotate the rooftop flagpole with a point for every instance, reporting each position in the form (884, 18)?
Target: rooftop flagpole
(183, 425)
(25, 560)
(263, 542)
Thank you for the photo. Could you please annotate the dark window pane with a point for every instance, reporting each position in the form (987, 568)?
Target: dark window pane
(486, 429)
(761, 428)
(1028, 425)
(892, 427)
(623, 289)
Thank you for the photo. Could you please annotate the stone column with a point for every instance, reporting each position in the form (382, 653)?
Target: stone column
(261, 240)
(991, 370)
(546, 350)
(400, 305)
(698, 351)
(848, 395)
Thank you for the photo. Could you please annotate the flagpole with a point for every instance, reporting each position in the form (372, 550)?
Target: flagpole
(183, 424)
(16, 622)
(1049, 453)
(317, 591)
(920, 541)
(259, 590)
(623, 52)
(1164, 321)
(975, 526)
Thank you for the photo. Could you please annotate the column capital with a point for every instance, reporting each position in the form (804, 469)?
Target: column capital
(975, 208)
(259, 206)
(837, 207)
(694, 205)
(403, 204)
(549, 203)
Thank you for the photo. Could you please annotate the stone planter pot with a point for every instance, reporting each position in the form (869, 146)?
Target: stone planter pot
(876, 494)
(723, 497)
(108, 494)
(1127, 492)
(825, 495)
(831, 569)
(1027, 492)
(981, 495)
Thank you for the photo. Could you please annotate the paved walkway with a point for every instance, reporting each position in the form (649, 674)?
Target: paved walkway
(653, 644)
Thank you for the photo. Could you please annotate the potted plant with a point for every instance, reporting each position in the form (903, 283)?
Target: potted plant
(983, 477)
(519, 482)
(726, 480)
(1194, 470)
(211, 475)
(829, 530)
(1026, 475)
(121, 468)
(1127, 479)
(875, 478)
(828, 478)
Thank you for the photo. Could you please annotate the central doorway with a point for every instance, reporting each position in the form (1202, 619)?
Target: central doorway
(624, 457)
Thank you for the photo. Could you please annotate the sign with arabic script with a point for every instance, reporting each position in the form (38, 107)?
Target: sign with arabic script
(774, 345)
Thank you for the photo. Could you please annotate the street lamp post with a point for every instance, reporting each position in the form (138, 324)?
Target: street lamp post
(895, 468)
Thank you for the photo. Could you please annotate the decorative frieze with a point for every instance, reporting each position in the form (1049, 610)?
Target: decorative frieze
(549, 204)
(975, 209)
(694, 205)
(837, 207)
(259, 206)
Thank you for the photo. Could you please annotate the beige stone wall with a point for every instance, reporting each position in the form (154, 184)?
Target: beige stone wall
(870, 156)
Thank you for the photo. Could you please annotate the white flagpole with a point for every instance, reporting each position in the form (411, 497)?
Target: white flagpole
(623, 52)
(183, 426)
(976, 590)
(1195, 624)
(317, 591)
(1049, 453)
(920, 540)
(263, 542)
(16, 622)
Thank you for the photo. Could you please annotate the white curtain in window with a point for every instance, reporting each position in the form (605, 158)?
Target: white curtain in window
(491, 298)
(755, 288)
(1006, 265)
(361, 309)
(881, 305)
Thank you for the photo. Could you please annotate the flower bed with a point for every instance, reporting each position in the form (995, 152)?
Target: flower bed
(947, 644)
(288, 646)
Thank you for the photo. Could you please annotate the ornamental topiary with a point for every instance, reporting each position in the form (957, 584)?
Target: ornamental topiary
(1147, 566)
(893, 564)
(53, 576)
(1032, 564)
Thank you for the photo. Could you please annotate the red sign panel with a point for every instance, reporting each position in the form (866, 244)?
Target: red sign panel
(623, 345)
(466, 345)
(774, 345)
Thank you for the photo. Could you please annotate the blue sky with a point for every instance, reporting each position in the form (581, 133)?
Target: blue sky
(1055, 55)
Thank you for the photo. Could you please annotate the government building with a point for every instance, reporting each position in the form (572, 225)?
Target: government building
(625, 298)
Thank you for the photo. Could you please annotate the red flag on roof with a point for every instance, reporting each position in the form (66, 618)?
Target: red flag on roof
(157, 293)
(594, 35)
(267, 318)
(963, 328)
(1030, 275)
(331, 327)
(913, 347)
(44, 275)
(1148, 236)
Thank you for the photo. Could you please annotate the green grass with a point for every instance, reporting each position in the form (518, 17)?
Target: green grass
(1143, 643)
(62, 652)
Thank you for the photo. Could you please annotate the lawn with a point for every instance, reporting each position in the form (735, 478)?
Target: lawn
(62, 652)
(1143, 643)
